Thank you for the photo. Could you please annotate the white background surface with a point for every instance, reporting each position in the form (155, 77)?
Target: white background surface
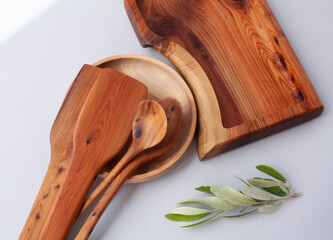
(37, 65)
(15, 14)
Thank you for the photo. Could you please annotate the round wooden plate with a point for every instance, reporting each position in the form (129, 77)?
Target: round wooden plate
(162, 81)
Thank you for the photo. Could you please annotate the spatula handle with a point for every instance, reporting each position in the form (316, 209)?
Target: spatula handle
(69, 200)
(44, 201)
(107, 180)
(57, 203)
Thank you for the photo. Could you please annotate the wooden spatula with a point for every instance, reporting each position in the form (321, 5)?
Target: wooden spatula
(100, 130)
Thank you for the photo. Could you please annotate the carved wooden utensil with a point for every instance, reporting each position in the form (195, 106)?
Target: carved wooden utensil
(173, 112)
(246, 78)
(98, 134)
(148, 129)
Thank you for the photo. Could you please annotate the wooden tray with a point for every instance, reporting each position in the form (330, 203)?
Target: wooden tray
(245, 77)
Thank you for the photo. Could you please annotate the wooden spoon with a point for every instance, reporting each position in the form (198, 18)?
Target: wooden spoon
(148, 129)
(101, 130)
(173, 112)
(174, 116)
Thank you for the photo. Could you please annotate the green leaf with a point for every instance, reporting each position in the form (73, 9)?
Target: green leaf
(271, 172)
(214, 202)
(241, 180)
(204, 221)
(241, 215)
(232, 195)
(243, 209)
(190, 211)
(276, 191)
(256, 193)
(283, 188)
(183, 218)
(268, 209)
(187, 214)
(205, 189)
(263, 183)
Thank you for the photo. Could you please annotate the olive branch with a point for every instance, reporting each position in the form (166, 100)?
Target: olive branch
(256, 196)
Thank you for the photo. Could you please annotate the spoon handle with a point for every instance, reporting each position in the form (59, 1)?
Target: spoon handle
(108, 179)
(95, 215)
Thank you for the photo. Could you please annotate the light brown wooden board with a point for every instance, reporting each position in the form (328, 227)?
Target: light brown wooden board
(245, 76)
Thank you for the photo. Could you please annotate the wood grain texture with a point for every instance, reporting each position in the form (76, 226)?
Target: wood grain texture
(245, 76)
(99, 131)
(162, 82)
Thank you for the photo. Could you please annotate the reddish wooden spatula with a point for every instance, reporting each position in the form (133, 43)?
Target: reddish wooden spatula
(97, 134)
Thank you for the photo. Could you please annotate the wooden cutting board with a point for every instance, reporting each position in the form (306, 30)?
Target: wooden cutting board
(245, 76)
